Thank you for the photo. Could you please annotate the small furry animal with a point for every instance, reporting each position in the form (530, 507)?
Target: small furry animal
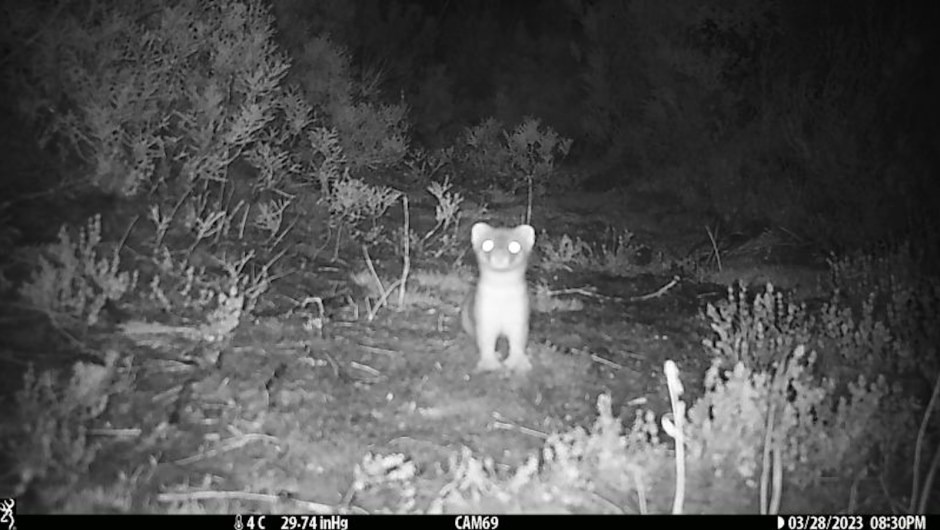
(499, 304)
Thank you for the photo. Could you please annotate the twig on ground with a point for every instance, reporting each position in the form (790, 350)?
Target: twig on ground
(661, 291)
(314, 507)
(508, 426)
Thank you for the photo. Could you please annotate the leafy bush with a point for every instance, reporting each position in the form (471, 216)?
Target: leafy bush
(563, 253)
(506, 160)
(183, 102)
(444, 238)
(876, 322)
(73, 282)
(372, 134)
(533, 153)
(354, 202)
(617, 254)
(760, 332)
(748, 421)
(50, 442)
(568, 476)
(873, 359)
(130, 86)
(482, 151)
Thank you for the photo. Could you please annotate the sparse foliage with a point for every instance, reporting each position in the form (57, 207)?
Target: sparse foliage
(73, 282)
(51, 441)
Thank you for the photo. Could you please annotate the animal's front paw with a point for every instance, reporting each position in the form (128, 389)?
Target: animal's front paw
(488, 364)
(519, 364)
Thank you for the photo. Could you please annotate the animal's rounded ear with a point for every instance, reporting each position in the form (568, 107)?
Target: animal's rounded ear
(527, 235)
(479, 232)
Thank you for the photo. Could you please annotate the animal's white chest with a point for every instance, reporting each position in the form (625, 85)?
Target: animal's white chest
(502, 302)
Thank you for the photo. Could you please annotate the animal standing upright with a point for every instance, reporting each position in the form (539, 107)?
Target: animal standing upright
(499, 303)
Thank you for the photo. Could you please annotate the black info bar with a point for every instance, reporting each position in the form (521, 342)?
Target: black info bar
(249, 521)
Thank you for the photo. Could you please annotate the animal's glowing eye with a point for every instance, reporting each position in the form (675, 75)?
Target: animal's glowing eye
(514, 247)
(488, 245)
